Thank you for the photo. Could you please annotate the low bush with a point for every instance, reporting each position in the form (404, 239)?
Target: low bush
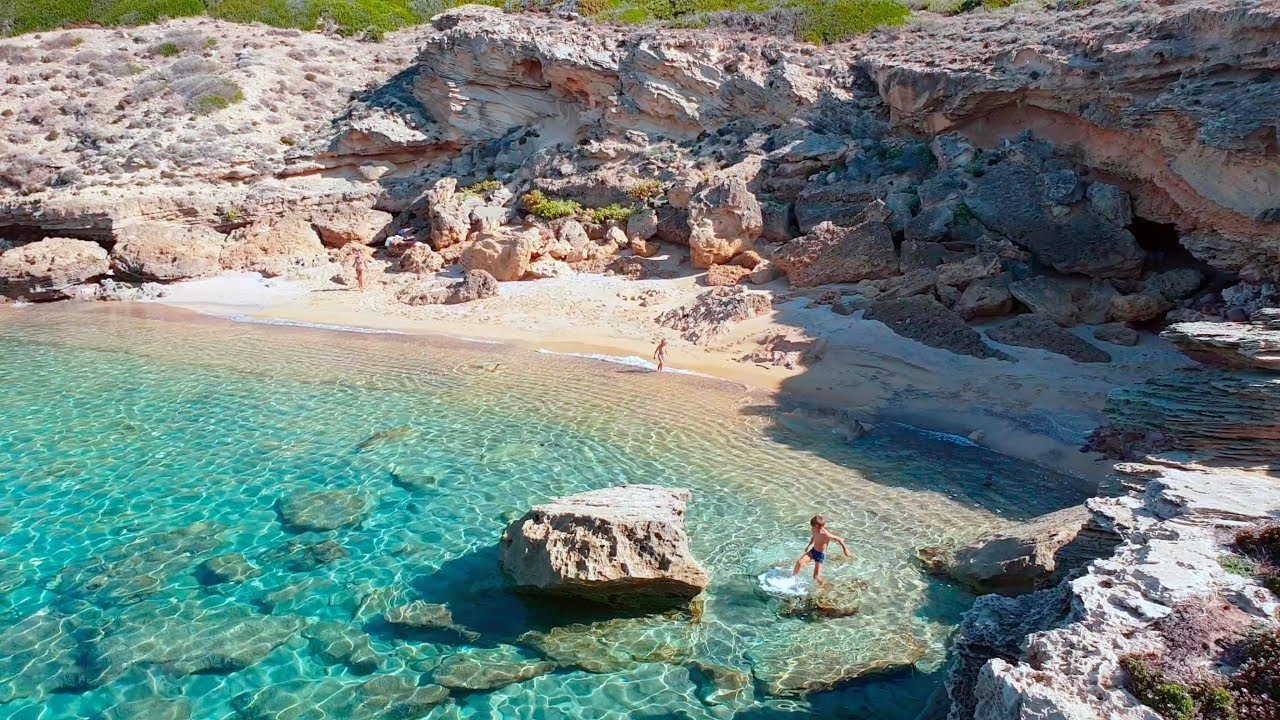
(645, 190)
(478, 189)
(547, 209)
(614, 212)
(166, 49)
(1237, 565)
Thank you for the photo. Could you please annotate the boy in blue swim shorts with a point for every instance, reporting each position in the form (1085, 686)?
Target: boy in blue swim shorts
(816, 550)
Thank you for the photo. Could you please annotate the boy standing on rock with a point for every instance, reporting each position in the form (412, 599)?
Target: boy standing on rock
(816, 550)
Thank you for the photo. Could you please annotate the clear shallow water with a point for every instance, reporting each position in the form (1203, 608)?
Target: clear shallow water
(137, 447)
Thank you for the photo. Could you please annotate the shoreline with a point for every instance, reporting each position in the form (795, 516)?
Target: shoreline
(861, 369)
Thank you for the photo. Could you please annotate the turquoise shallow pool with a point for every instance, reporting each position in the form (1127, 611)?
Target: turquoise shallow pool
(138, 446)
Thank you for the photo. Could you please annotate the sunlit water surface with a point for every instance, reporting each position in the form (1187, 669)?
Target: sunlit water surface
(137, 445)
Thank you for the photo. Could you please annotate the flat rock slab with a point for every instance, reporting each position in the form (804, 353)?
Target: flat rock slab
(1034, 331)
(319, 510)
(624, 546)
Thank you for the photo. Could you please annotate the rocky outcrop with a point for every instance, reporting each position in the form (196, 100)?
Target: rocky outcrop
(1236, 346)
(1068, 664)
(505, 256)
(1068, 301)
(278, 246)
(338, 228)
(926, 321)
(162, 252)
(1035, 331)
(714, 313)
(48, 269)
(724, 220)
(625, 545)
(834, 254)
(475, 285)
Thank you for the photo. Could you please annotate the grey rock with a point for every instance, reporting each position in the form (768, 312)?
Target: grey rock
(1034, 331)
(926, 321)
(779, 222)
(930, 225)
(338, 643)
(833, 254)
(475, 285)
(489, 669)
(1177, 284)
(902, 205)
(1111, 203)
(1066, 301)
(232, 568)
(1138, 307)
(1062, 186)
(988, 297)
(1116, 334)
(319, 510)
(419, 615)
(643, 225)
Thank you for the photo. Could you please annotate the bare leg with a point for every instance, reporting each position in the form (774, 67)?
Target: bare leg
(804, 560)
(817, 572)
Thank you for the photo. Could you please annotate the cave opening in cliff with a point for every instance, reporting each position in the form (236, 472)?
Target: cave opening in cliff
(1162, 242)
(19, 234)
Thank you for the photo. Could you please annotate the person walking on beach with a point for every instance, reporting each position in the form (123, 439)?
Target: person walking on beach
(660, 353)
(816, 550)
(360, 267)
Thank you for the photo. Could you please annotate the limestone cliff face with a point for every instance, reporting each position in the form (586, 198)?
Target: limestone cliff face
(1178, 103)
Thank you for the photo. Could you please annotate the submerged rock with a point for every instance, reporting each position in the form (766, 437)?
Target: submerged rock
(613, 645)
(338, 643)
(386, 696)
(624, 545)
(40, 654)
(304, 556)
(232, 568)
(1035, 331)
(489, 669)
(320, 510)
(419, 615)
(132, 570)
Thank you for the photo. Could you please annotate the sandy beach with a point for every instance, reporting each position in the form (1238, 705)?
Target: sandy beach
(1038, 408)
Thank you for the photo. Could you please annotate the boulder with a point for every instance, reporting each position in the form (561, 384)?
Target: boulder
(1176, 284)
(338, 643)
(379, 698)
(545, 268)
(930, 225)
(960, 274)
(915, 255)
(164, 252)
(623, 545)
(475, 285)
(448, 214)
(673, 226)
(834, 254)
(1116, 334)
(1034, 331)
(839, 203)
(724, 220)
(714, 313)
(1009, 199)
(1111, 203)
(901, 205)
(1138, 307)
(1018, 560)
(338, 228)
(419, 615)
(1062, 187)
(319, 510)
(273, 247)
(505, 256)
(645, 248)
(778, 225)
(926, 321)
(1235, 346)
(719, 275)
(420, 259)
(988, 297)
(1066, 301)
(231, 568)
(642, 225)
(49, 268)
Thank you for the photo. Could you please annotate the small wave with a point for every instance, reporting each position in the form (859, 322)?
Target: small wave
(944, 437)
(780, 583)
(628, 360)
(314, 326)
(478, 341)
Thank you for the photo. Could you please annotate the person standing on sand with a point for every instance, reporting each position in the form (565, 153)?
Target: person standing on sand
(360, 266)
(660, 353)
(816, 550)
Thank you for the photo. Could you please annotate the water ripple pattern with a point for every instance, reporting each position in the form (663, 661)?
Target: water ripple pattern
(211, 520)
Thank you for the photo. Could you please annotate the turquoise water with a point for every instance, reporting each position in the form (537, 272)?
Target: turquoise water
(137, 446)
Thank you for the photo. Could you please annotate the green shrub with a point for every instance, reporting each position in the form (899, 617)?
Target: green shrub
(1237, 565)
(480, 188)
(614, 212)
(231, 214)
(1260, 672)
(1213, 701)
(1171, 700)
(541, 206)
(829, 21)
(166, 50)
(964, 213)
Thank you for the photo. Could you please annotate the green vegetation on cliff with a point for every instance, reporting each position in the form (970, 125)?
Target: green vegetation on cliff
(819, 21)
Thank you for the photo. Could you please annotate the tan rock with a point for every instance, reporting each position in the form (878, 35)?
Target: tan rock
(624, 545)
(273, 247)
(724, 220)
(714, 313)
(645, 248)
(475, 285)
(505, 256)
(360, 225)
(720, 275)
(834, 254)
(162, 252)
(1139, 307)
(50, 268)
(988, 297)
(547, 267)
(959, 275)
(421, 259)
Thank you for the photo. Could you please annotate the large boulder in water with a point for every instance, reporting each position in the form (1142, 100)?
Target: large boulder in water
(623, 546)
